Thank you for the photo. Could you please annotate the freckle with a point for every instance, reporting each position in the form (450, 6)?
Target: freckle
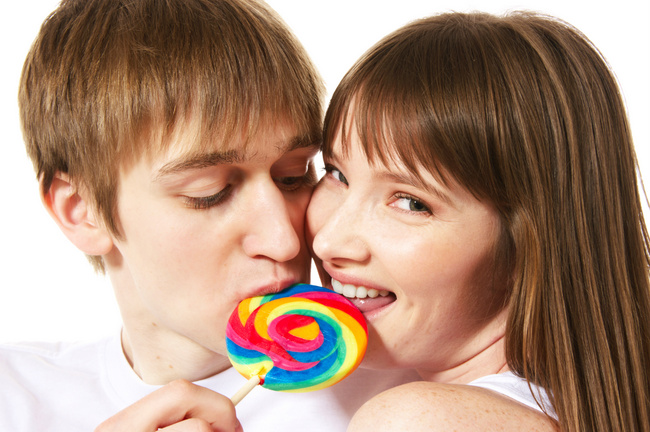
(157, 357)
(154, 324)
(171, 367)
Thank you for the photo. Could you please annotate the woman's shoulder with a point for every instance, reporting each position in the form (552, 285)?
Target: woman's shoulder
(427, 406)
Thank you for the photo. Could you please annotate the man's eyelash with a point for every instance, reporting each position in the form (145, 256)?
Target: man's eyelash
(293, 183)
(204, 203)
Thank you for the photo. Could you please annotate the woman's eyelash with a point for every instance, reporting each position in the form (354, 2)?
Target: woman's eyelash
(415, 204)
(332, 170)
(204, 203)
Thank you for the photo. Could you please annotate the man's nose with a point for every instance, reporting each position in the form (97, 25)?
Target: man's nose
(272, 225)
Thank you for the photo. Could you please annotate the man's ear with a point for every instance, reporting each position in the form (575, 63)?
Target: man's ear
(75, 218)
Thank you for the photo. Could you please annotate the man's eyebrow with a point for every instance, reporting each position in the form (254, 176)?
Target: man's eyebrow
(302, 141)
(198, 161)
(205, 160)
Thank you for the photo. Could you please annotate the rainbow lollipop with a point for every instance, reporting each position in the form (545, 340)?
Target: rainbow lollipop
(302, 339)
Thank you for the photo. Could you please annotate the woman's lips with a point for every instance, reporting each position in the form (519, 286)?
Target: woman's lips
(367, 305)
(366, 300)
(353, 291)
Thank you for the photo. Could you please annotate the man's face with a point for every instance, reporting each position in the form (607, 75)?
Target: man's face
(201, 232)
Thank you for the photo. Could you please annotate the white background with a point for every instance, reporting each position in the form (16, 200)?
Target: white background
(48, 291)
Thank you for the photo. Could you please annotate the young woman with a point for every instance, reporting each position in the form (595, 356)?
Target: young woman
(481, 206)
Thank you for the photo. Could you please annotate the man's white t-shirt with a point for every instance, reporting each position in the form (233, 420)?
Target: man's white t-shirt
(75, 387)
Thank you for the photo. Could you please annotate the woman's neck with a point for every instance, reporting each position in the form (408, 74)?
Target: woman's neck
(488, 358)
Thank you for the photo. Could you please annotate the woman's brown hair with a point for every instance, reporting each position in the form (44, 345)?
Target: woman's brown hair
(523, 111)
(108, 81)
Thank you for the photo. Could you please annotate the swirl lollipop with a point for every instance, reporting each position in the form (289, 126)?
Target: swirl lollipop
(302, 339)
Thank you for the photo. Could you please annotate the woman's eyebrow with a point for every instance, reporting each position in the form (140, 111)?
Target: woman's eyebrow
(197, 161)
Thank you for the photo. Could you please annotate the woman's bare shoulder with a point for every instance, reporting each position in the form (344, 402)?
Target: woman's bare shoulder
(426, 406)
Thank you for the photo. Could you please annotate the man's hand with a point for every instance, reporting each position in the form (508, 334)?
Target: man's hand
(178, 406)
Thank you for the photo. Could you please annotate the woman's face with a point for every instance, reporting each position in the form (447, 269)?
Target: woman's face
(425, 250)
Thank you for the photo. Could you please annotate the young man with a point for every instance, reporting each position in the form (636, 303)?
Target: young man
(173, 142)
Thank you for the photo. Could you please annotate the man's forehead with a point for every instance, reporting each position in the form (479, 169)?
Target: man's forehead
(193, 135)
(239, 148)
(181, 154)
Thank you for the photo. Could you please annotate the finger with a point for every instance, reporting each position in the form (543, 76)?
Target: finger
(194, 425)
(177, 401)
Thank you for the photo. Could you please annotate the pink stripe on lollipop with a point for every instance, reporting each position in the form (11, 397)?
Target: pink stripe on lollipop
(280, 329)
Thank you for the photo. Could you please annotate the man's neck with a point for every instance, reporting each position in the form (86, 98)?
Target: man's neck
(159, 363)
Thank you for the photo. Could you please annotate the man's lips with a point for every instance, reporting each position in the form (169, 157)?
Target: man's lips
(270, 288)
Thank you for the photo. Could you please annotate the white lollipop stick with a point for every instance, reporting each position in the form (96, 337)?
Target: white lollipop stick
(242, 392)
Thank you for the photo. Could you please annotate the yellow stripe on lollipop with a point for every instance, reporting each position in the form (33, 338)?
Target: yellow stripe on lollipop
(308, 332)
(247, 307)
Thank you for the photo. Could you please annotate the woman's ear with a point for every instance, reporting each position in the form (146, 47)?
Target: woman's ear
(75, 217)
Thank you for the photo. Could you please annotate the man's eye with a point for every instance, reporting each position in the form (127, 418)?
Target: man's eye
(336, 173)
(204, 203)
(289, 183)
(293, 183)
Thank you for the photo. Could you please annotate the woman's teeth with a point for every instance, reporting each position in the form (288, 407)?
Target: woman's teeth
(352, 291)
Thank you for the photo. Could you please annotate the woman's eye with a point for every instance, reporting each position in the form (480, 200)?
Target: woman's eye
(206, 202)
(412, 204)
(336, 173)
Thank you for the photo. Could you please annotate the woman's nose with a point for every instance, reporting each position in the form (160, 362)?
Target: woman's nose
(337, 227)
